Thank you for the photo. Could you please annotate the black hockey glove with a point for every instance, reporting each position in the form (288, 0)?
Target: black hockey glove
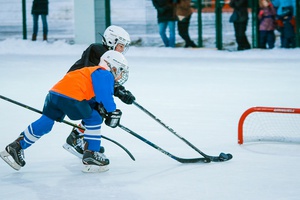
(113, 118)
(101, 110)
(124, 95)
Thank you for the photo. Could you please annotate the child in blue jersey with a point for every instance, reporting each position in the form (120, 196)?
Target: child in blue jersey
(76, 96)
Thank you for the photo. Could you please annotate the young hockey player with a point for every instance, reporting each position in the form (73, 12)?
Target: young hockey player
(85, 94)
(114, 38)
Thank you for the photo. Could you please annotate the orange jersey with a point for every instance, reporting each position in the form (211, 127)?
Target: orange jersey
(77, 84)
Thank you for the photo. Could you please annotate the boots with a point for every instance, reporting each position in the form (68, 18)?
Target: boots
(33, 37)
(190, 44)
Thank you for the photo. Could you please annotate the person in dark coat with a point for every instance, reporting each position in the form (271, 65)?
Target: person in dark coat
(184, 12)
(240, 22)
(39, 7)
(166, 17)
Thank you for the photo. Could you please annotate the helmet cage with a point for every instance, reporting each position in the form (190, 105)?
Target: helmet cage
(119, 70)
(123, 41)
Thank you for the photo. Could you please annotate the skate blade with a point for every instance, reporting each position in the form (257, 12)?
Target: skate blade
(94, 168)
(6, 157)
(70, 149)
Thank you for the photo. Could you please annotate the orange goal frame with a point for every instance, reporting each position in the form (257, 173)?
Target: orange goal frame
(262, 109)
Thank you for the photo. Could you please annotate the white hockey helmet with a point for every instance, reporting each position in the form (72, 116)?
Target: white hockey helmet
(114, 35)
(117, 64)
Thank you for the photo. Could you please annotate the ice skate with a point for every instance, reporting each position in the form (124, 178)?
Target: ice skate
(14, 155)
(75, 143)
(94, 162)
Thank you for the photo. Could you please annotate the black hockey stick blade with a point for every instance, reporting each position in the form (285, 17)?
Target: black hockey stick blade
(181, 160)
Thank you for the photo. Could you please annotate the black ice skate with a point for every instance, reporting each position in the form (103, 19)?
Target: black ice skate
(14, 155)
(94, 161)
(75, 143)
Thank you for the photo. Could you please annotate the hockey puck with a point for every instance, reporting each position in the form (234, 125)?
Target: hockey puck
(224, 156)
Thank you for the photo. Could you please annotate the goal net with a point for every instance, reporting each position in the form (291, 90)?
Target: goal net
(269, 124)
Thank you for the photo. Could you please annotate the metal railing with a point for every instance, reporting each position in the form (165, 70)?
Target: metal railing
(138, 17)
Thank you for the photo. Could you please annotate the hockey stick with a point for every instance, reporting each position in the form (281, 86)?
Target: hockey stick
(66, 122)
(220, 158)
(181, 160)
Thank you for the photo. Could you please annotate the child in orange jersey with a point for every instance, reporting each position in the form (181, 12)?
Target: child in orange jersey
(76, 96)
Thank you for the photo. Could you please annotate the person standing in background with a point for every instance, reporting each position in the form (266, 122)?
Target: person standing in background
(267, 22)
(283, 7)
(288, 28)
(184, 12)
(166, 17)
(239, 19)
(39, 7)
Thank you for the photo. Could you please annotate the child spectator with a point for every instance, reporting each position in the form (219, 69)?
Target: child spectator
(288, 27)
(280, 6)
(266, 17)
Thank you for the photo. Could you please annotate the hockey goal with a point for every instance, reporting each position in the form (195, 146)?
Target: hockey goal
(269, 124)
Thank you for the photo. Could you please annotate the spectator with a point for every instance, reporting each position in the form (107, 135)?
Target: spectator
(166, 17)
(39, 7)
(239, 18)
(288, 28)
(184, 12)
(280, 6)
(266, 16)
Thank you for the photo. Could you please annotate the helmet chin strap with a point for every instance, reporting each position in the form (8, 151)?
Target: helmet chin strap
(112, 71)
(104, 42)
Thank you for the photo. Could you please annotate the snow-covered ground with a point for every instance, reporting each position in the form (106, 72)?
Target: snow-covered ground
(200, 93)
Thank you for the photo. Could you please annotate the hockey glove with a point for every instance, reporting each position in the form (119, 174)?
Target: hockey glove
(101, 110)
(113, 118)
(124, 95)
